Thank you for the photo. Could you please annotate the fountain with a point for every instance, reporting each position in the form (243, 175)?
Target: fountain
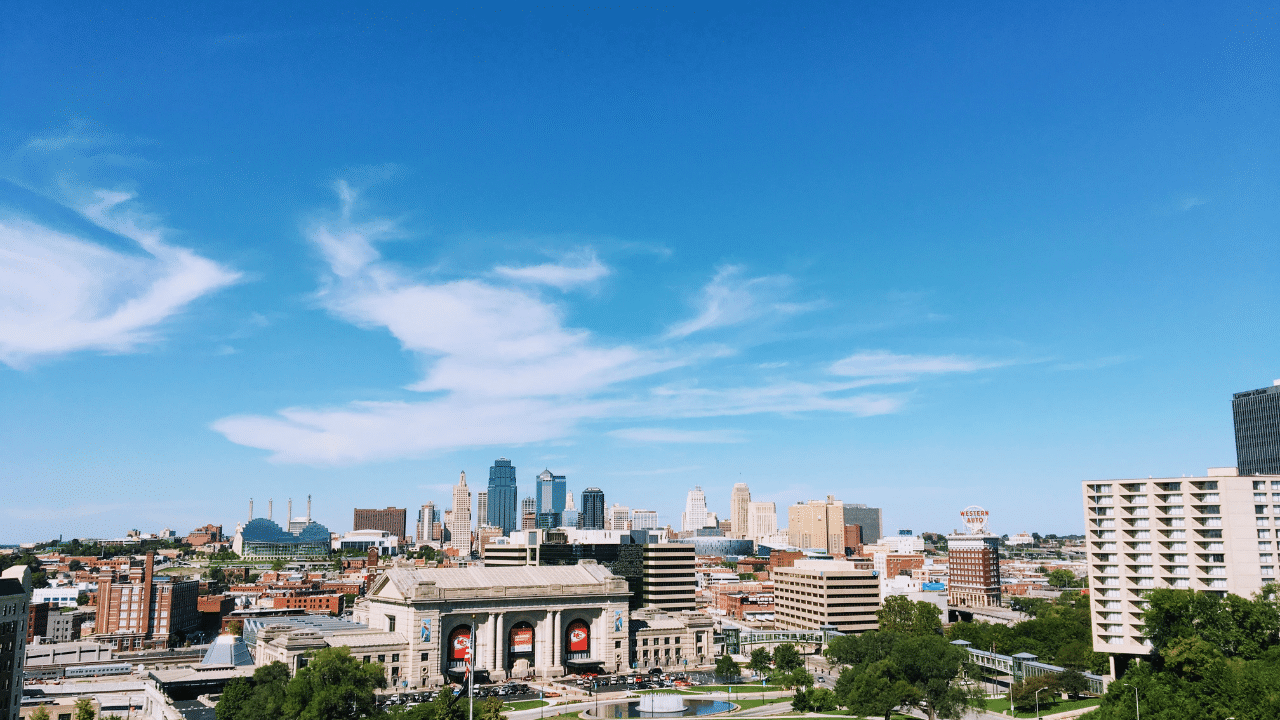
(662, 704)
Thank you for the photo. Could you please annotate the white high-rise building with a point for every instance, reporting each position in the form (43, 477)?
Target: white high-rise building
(695, 510)
(460, 519)
(1213, 534)
(739, 514)
(482, 507)
(762, 520)
(569, 518)
(644, 520)
(619, 517)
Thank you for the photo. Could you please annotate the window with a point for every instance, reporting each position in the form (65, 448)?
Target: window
(424, 657)
(366, 659)
(666, 641)
(1264, 533)
(645, 642)
(391, 623)
(395, 657)
(617, 644)
(382, 658)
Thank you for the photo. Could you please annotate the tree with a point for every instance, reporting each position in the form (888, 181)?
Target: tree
(235, 627)
(888, 670)
(1073, 682)
(75, 565)
(84, 709)
(82, 599)
(1024, 693)
(786, 658)
(39, 713)
(334, 686)
(1063, 578)
(874, 691)
(727, 668)
(491, 709)
(760, 660)
(1235, 626)
(902, 615)
(277, 565)
(260, 697)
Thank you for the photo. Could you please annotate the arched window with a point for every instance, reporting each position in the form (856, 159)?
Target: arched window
(520, 639)
(577, 640)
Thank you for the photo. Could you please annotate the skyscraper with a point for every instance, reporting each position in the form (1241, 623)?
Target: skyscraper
(871, 519)
(502, 496)
(391, 520)
(762, 520)
(482, 507)
(591, 517)
(569, 518)
(550, 492)
(428, 515)
(619, 517)
(644, 520)
(460, 520)
(739, 515)
(528, 506)
(1257, 419)
(695, 510)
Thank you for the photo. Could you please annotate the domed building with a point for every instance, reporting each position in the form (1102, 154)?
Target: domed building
(263, 538)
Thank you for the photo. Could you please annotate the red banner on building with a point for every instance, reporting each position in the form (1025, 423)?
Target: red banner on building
(522, 639)
(460, 644)
(579, 637)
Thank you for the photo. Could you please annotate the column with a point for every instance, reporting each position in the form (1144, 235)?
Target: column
(500, 647)
(557, 642)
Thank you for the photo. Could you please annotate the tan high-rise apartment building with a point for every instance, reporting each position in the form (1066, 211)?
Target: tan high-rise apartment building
(817, 524)
(1215, 534)
(460, 519)
(739, 510)
(814, 593)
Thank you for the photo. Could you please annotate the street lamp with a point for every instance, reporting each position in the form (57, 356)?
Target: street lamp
(1136, 709)
(1037, 703)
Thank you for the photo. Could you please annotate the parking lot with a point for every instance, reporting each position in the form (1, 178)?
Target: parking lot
(507, 692)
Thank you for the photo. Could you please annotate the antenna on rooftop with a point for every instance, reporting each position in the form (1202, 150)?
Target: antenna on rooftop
(270, 506)
(308, 508)
(289, 518)
(250, 508)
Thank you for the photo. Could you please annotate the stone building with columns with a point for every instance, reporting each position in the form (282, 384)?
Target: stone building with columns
(525, 622)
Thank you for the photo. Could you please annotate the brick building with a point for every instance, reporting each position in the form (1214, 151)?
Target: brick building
(38, 620)
(974, 570)
(392, 520)
(205, 535)
(139, 609)
(331, 604)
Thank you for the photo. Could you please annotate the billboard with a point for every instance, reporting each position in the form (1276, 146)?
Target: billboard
(579, 637)
(460, 644)
(522, 638)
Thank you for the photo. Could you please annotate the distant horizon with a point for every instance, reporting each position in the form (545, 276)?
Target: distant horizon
(916, 258)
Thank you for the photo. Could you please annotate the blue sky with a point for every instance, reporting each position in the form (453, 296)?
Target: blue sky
(914, 257)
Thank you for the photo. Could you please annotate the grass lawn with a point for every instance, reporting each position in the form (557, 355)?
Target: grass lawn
(666, 690)
(1001, 705)
(755, 703)
(524, 705)
(744, 690)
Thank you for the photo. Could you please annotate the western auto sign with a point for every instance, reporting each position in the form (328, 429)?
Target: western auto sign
(460, 644)
(579, 637)
(522, 640)
(975, 518)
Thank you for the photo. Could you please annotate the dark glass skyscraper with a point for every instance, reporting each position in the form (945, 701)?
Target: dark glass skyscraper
(591, 516)
(1257, 418)
(502, 496)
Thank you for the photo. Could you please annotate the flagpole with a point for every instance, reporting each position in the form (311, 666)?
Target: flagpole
(471, 676)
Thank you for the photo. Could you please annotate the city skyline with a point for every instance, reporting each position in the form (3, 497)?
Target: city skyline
(913, 260)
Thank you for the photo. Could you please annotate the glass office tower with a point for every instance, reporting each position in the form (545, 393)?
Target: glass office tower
(502, 496)
(1257, 419)
(550, 493)
(591, 517)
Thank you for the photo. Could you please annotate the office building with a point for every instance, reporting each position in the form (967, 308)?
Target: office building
(762, 520)
(1257, 421)
(528, 506)
(529, 521)
(661, 639)
(460, 517)
(139, 609)
(739, 510)
(428, 524)
(591, 515)
(658, 574)
(550, 493)
(1212, 534)
(619, 517)
(870, 519)
(973, 562)
(482, 507)
(695, 510)
(391, 521)
(386, 543)
(812, 594)
(15, 598)
(502, 510)
(644, 520)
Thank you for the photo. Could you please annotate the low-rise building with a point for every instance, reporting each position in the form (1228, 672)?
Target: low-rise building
(669, 639)
(813, 594)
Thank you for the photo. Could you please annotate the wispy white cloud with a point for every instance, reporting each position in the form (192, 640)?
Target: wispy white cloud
(731, 298)
(1096, 363)
(671, 435)
(882, 367)
(60, 293)
(501, 367)
(1191, 202)
(579, 269)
